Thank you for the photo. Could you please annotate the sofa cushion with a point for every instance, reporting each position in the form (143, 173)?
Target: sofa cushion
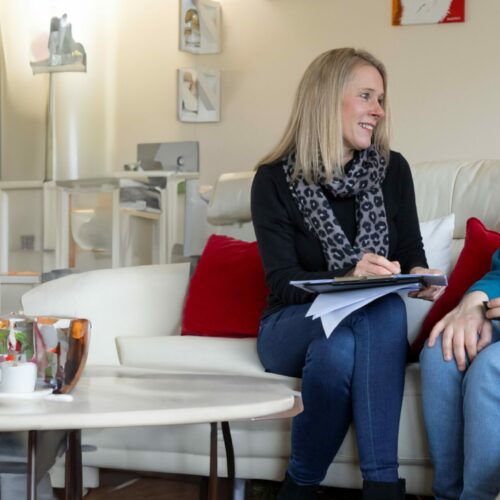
(227, 293)
(473, 263)
(191, 354)
(437, 236)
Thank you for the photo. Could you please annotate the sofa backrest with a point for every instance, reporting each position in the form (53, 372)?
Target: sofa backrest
(465, 188)
(229, 207)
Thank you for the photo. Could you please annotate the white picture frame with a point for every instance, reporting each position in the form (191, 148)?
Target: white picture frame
(200, 26)
(198, 95)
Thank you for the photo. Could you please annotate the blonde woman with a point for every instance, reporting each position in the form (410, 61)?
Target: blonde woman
(333, 200)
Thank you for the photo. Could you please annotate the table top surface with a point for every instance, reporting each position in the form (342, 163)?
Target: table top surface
(114, 177)
(20, 278)
(123, 397)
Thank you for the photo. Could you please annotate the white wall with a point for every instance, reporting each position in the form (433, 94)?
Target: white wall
(23, 98)
(443, 79)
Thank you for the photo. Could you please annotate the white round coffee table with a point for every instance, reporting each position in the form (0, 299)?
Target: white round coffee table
(124, 397)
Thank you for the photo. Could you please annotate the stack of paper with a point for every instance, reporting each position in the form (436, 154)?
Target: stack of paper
(332, 308)
(339, 297)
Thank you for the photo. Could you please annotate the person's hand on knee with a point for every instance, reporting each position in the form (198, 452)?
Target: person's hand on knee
(465, 330)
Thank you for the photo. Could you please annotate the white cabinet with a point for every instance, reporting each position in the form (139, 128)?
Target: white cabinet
(21, 240)
(81, 224)
(21, 226)
(91, 218)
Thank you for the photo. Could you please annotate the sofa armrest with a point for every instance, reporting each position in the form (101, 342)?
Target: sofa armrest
(189, 353)
(142, 300)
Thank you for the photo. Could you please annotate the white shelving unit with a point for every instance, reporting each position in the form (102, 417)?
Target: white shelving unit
(44, 210)
(19, 198)
(166, 221)
(8, 191)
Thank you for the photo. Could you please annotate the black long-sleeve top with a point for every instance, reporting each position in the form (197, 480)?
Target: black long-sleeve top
(289, 251)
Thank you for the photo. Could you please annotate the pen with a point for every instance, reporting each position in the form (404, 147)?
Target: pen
(364, 251)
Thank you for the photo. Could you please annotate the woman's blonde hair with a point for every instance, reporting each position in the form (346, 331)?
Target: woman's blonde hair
(314, 129)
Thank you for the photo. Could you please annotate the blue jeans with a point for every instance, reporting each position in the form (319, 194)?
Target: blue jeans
(462, 418)
(355, 374)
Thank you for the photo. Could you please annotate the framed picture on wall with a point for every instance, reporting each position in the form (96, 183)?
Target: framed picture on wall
(199, 26)
(198, 98)
(427, 11)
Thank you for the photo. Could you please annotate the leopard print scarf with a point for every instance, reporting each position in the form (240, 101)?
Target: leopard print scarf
(363, 180)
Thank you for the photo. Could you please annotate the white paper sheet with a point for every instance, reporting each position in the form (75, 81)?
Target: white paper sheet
(332, 308)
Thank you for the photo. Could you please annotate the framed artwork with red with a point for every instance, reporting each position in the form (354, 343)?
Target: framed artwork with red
(406, 12)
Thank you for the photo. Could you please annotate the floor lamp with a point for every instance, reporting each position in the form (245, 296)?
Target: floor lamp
(65, 55)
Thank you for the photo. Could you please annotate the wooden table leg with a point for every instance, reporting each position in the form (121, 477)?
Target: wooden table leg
(31, 479)
(212, 479)
(73, 466)
(228, 444)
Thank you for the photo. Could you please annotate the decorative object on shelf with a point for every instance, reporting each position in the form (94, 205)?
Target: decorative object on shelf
(180, 156)
(27, 242)
(141, 196)
(427, 12)
(199, 26)
(91, 222)
(198, 95)
(64, 53)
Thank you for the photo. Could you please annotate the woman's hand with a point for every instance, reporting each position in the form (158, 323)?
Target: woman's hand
(372, 264)
(432, 292)
(465, 328)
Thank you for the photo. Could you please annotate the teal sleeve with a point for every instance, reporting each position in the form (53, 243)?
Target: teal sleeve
(490, 282)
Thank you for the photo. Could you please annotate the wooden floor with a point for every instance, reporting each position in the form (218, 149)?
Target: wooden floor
(130, 486)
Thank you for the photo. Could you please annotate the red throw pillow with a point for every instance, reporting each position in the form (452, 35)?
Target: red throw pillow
(472, 264)
(227, 293)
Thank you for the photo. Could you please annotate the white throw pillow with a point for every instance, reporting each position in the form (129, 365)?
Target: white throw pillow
(437, 236)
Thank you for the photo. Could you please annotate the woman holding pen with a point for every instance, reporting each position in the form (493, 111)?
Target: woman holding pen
(332, 200)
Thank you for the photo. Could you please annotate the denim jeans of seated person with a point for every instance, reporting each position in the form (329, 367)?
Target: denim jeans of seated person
(462, 418)
(357, 374)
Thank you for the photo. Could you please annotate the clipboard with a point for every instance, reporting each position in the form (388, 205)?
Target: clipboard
(345, 283)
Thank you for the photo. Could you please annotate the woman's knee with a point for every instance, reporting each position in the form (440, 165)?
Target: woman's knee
(485, 369)
(284, 338)
(387, 320)
(333, 356)
(433, 367)
(432, 357)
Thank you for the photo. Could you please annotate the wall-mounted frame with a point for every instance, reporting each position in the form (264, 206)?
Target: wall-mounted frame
(198, 95)
(406, 12)
(199, 26)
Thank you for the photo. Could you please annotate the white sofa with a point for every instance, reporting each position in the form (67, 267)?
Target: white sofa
(140, 308)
